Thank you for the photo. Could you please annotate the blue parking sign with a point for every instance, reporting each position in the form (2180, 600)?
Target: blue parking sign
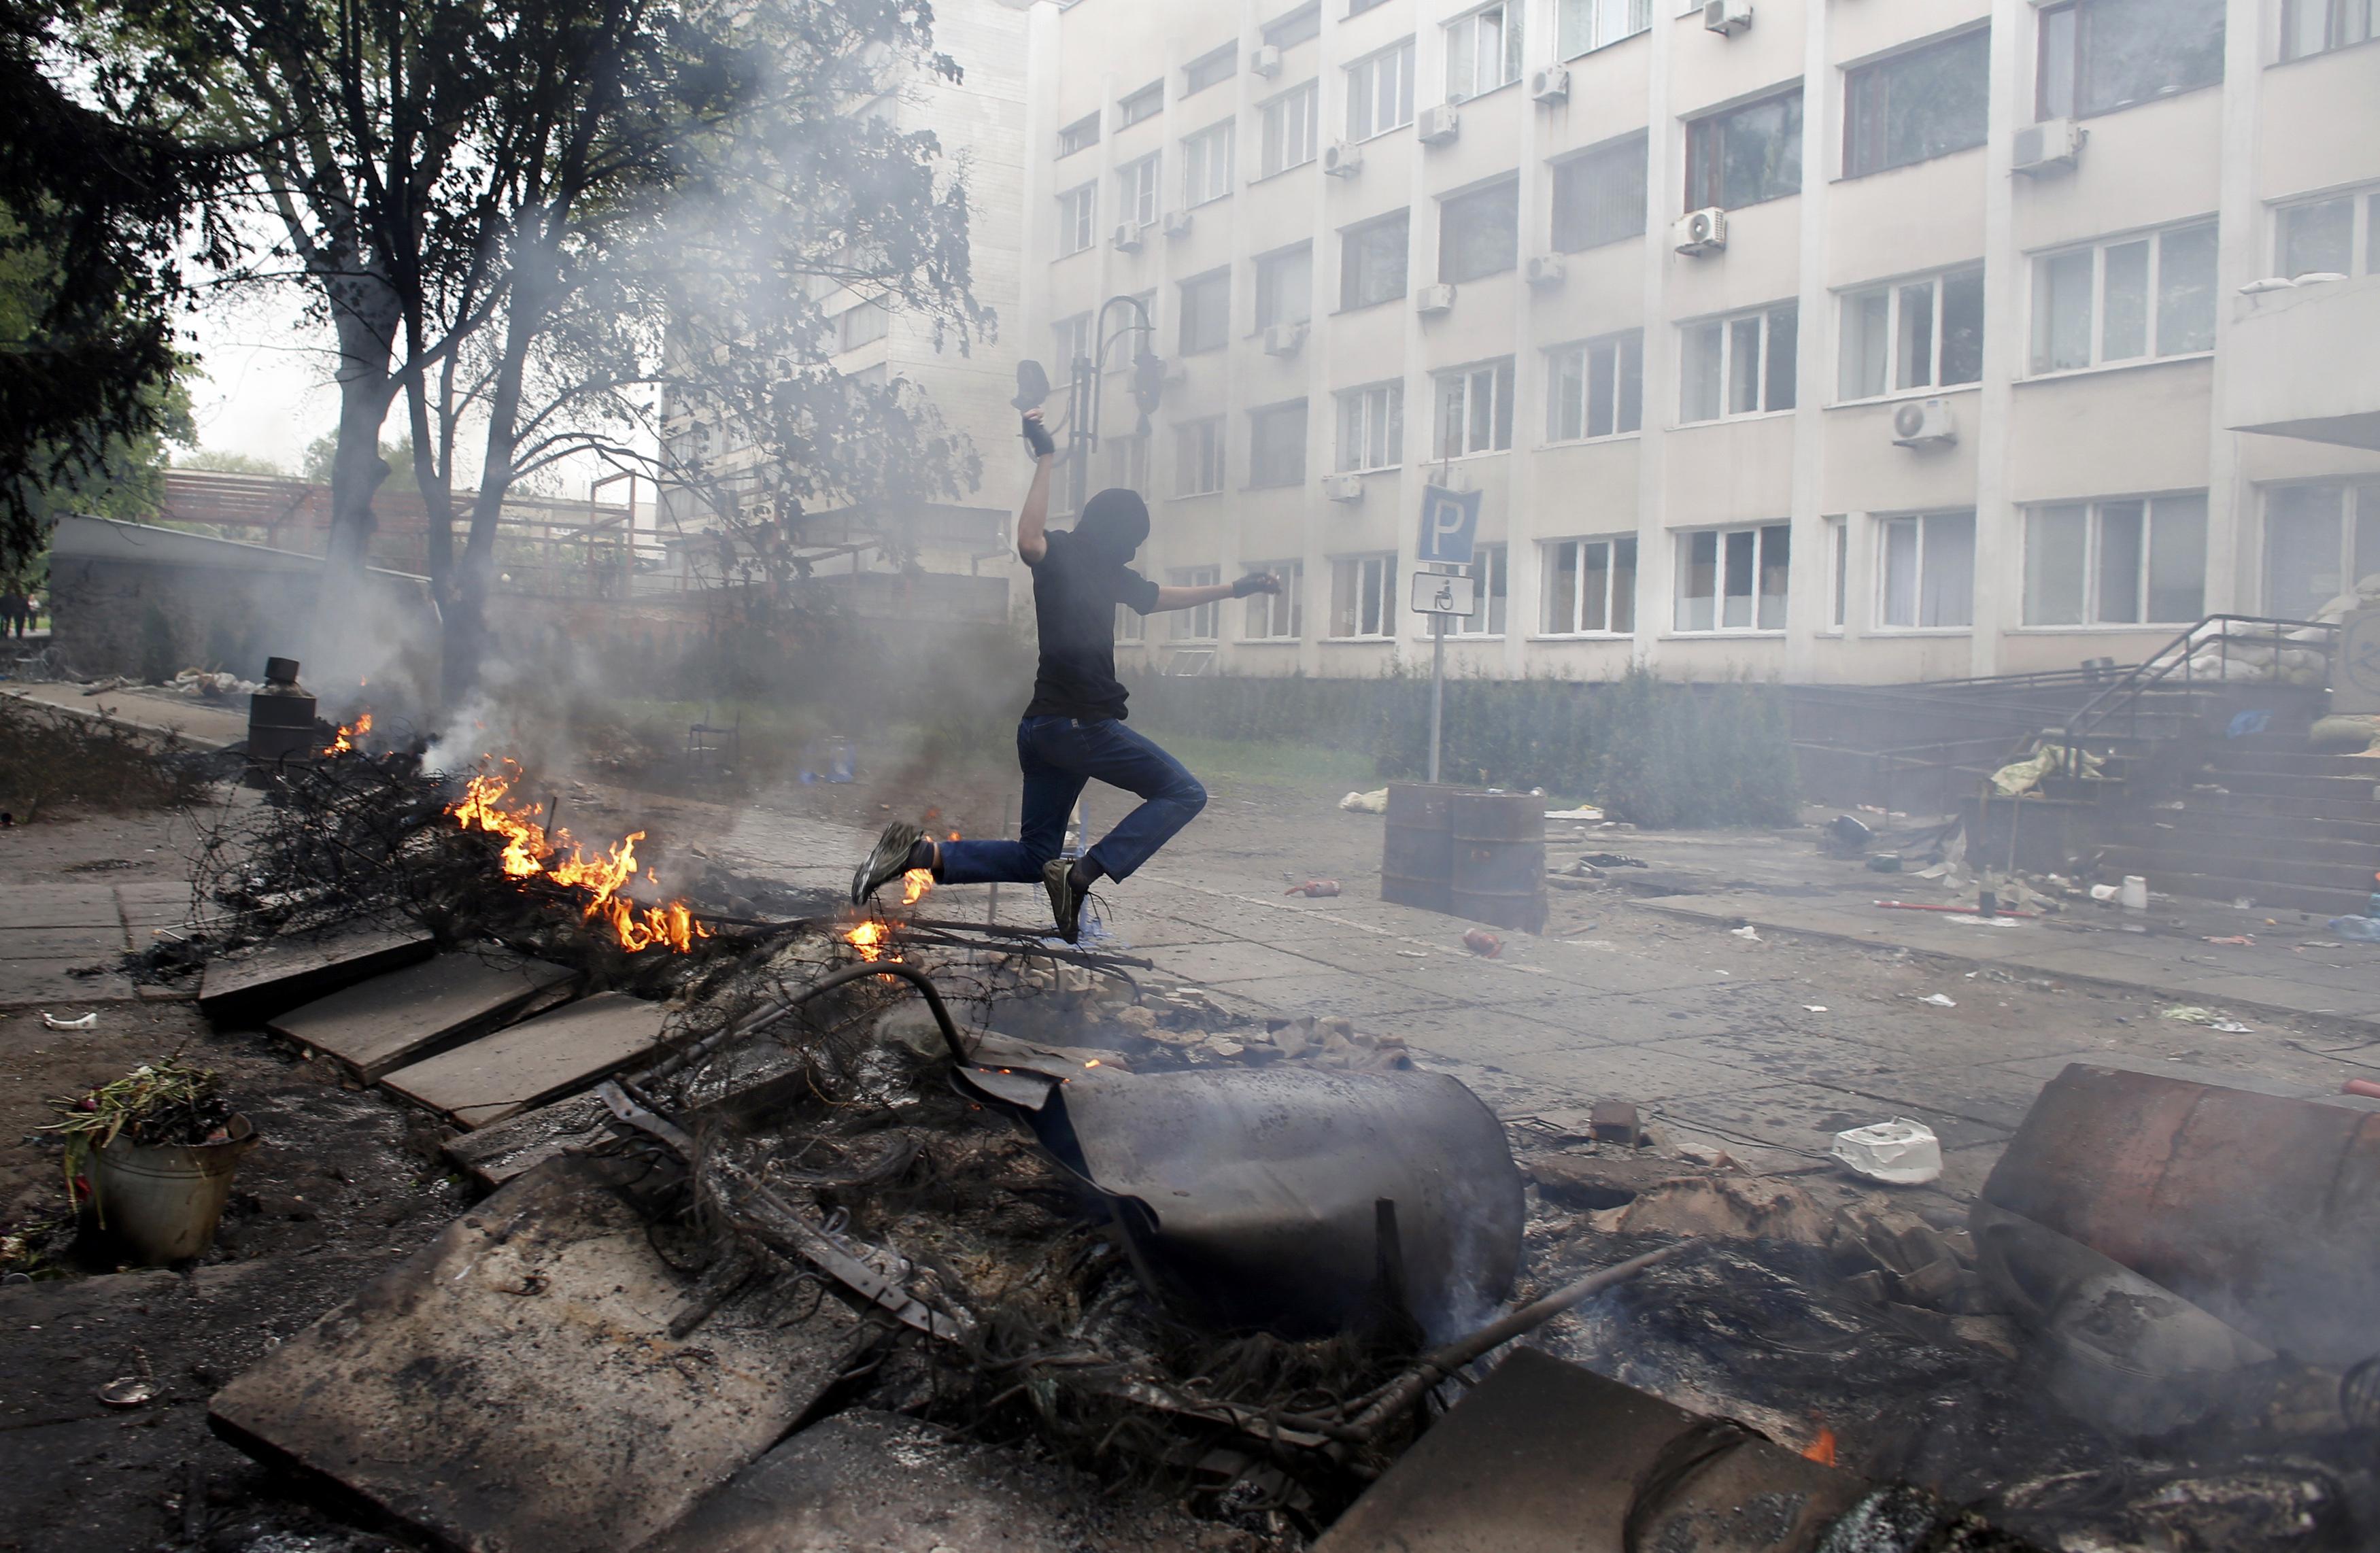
(1449, 525)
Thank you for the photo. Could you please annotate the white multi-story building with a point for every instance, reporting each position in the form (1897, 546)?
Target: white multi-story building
(1828, 340)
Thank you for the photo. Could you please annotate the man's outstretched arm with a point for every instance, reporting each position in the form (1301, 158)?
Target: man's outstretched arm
(1032, 543)
(1207, 593)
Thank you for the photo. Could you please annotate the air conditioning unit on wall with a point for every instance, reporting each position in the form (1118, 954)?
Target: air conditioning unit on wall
(1264, 61)
(1550, 84)
(2047, 148)
(1924, 423)
(1177, 224)
(1438, 126)
(1433, 299)
(1726, 17)
(1546, 269)
(1342, 159)
(1703, 231)
(1342, 488)
(1283, 339)
(1127, 238)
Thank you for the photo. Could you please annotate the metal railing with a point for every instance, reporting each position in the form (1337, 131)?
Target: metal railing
(2177, 666)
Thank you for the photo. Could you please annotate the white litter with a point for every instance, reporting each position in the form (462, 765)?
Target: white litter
(1898, 1152)
(1937, 1001)
(1814, 1008)
(88, 1022)
(1988, 921)
(1747, 932)
(1583, 812)
(1373, 801)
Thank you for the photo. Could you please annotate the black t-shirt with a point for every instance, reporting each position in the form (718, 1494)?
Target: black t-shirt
(1075, 591)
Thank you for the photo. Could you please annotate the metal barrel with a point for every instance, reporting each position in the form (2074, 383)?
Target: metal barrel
(279, 726)
(1498, 864)
(1416, 849)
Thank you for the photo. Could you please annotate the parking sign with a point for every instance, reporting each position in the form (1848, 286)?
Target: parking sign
(1449, 525)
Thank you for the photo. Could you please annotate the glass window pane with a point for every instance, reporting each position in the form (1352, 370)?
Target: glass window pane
(2054, 540)
(2133, 51)
(1760, 150)
(2186, 291)
(1743, 365)
(2126, 298)
(1697, 580)
(2061, 312)
(2301, 549)
(2318, 238)
(1623, 585)
(1482, 430)
(1922, 105)
(1450, 414)
(1504, 406)
(1599, 198)
(1914, 367)
(1860, 374)
(1776, 568)
(1949, 597)
(1783, 358)
(1900, 572)
(2121, 547)
(2304, 28)
(2054, 93)
(2177, 559)
(1594, 587)
(1962, 327)
(1742, 576)
(1600, 362)
(1698, 397)
(1566, 394)
(1479, 234)
(1562, 607)
(1840, 537)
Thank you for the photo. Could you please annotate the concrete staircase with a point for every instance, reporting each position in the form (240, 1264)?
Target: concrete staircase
(2262, 817)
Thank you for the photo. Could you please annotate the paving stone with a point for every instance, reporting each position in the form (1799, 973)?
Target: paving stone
(72, 905)
(504, 1073)
(1216, 964)
(52, 985)
(59, 943)
(412, 1012)
(289, 972)
(514, 1384)
(1339, 992)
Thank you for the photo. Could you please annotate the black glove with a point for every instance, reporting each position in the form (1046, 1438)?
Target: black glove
(1037, 438)
(1256, 582)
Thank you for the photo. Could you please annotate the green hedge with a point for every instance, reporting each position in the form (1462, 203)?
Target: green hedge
(1651, 752)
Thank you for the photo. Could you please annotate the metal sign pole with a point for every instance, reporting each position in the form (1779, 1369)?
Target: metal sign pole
(1437, 686)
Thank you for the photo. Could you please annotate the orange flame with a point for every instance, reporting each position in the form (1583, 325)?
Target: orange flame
(532, 852)
(1821, 1449)
(350, 734)
(869, 939)
(913, 885)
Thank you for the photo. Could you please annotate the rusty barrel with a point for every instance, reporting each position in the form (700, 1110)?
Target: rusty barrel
(1499, 868)
(1416, 850)
(280, 726)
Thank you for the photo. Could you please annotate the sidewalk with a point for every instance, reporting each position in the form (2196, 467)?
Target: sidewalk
(208, 724)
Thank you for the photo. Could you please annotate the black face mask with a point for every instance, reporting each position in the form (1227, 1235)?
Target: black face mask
(1113, 524)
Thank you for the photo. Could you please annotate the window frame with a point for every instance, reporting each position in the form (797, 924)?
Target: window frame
(2355, 511)
(1264, 271)
(1501, 373)
(1301, 24)
(1895, 294)
(2093, 560)
(1511, 40)
(2334, 37)
(1188, 312)
(1387, 419)
(1491, 575)
(1198, 150)
(1351, 273)
(1274, 130)
(1565, 9)
(2152, 308)
(1370, 570)
(1855, 76)
(1185, 624)
(1209, 460)
(2362, 201)
(1839, 574)
(1131, 625)
(1140, 186)
(1141, 104)
(1583, 352)
(1404, 55)
(1552, 570)
(1263, 415)
(1286, 607)
(2067, 15)
(1078, 226)
(1200, 74)
(1723, 558)
(1454, 216)
(1702, 127)
(1580, 165)
(1080, 135)
(1726, 374)
(1922, 524)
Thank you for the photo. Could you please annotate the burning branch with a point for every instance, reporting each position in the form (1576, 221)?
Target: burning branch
(532, 852)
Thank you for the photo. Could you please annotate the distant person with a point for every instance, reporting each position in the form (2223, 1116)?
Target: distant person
(16, 613)
(1073, 730)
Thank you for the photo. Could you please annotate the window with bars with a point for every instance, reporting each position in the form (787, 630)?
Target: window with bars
(1137, 190)
(1581, 26)
(1199, 457)
(1372, 261)
(1489, 582)
(2338, 235)
(2319, 26)
(2320, 542)
(1363, 600)
(1291, 122)
(2094, 56)
(1746, 155)
(1479, 232)
(1201, 623)
(1474, 410)
(1285, 287)
(1599, 196)
(1081, 134)
(1915, 334)
(1917, 106)
(2152, 295)
(1147, 102)
(1380, 92)
(1590, 588)
(1299, 26)
(1276, 617)
(1596, 388)
(1372, 428)
(1078, 211)
(1734, 579)
(1211, 69)
(1277, 444)
(1483, 51)
(1737, 366)
(1206, 322)
(1207, 165)
(2129, 561)
(1926, 577)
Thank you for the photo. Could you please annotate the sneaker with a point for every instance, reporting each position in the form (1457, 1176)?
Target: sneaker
(888, 861)
(1065, 901)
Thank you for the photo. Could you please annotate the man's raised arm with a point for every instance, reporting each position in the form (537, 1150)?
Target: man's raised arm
(1032, 544)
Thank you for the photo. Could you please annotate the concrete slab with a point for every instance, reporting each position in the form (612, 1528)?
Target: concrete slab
(504, 1073)
(52, 985)
(1632, 1073)
(1216, 964)
(71, 906)
(1357, 997)
(86, 945)
(410, 1014)
(294, 971)
(514, 1384)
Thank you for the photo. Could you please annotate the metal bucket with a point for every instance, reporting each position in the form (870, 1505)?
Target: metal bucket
(1416, 850)
(279, 726)
(1498, 875)
(164, 1200)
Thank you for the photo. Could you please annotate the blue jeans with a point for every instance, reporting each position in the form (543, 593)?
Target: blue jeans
(1058, 756)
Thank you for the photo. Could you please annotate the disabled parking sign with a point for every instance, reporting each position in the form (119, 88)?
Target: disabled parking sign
(1449, 525)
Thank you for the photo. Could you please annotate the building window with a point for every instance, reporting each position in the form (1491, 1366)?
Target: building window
(1277, 444)
(858, 326)
(1276, 617)
(1127, 461)
(1599, 198)
(1285, 287)
(1291, 123)
(1839, 568)
(1380, 92)
(1205, 313)
(1474, 410)
(1362, 602)
(1199, 623)
(1357, 8)
(1073, 343)
(1207, 165)
(1919, 334)
(1479, 233)
(1081, 134)
(1483, 51)
(1372, 428)
(1372, 261)
(1741, 365)
(1147, 102)
(1584, 25)
(2320, 542)
(1916, 106)
(2133, 562)
(2098, 55)
(1078, 211)
(1590, 588)
(1136, 191)
(2319, 26)
(1746, 154)
(1131, 625)
(2121, 301)
(1734, 579)
(2331, 236)
(1927, 581)
(1299, 26)
(1596, 389)
(1211, 69)
(1488, 584)
(1199, 461)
